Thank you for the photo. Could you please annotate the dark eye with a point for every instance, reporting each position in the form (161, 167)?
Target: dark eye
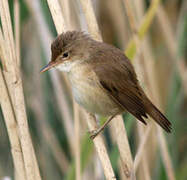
(65, 55)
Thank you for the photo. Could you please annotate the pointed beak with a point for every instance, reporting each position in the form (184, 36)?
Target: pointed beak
(48, 66)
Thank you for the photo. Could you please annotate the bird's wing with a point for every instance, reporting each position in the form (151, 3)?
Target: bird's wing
(117, 77)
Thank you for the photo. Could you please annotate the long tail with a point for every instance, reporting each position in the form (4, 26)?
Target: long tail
(153, 111)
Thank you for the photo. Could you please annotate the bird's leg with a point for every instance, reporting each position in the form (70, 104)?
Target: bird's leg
(94, 133)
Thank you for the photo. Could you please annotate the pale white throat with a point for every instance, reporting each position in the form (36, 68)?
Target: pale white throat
(86, 89)
(67, 66)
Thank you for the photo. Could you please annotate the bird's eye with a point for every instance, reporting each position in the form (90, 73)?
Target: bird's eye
(65, 55)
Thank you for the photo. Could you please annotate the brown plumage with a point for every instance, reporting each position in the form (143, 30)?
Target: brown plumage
(103, 79)
(119, 80)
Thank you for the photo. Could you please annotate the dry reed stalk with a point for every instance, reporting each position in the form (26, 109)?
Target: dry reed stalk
(98, 172)
(62, 102)
(121, 173)
(101, 149)
(121, 23)
(149, 81)
(118, 125)
(17, 41)
(124, 148)
(17, 29)
(70, 15)
(155, 96)
(70, 22)
(124, 170)
(11, 124)
(171, 43)
(57, 16)
(170, 39)
(118, 20)
(77, 140)
(93, 28)
(145, 166)
(2, 54)
(99, 144)
(47, 133)
(14, 83)
(144, 27)
(2, 51)
(50, 138)
(140, 151)
(125, 164)
(131, 19)
(164, 150)
(35, 101)
(65, 9)
(165, 155)
(133, 25)
(46, 39)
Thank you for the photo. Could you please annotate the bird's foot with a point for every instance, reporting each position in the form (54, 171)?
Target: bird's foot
(94, 133)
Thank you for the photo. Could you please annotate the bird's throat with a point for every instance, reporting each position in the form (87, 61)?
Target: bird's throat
(67, 66)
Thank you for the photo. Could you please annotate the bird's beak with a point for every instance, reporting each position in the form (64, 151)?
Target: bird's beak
(48, 66)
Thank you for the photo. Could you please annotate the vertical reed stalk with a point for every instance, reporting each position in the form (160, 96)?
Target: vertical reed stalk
(77, 141)
(139, 11)
(133, 25)
(163, 143)
(14, 83)
(101, 149)
(118, 125)
(17, 29)
(144, 27)
(99, 144)
(170, 39)
(145, 165)
(93, 28)
(11, 125)
(46, 39)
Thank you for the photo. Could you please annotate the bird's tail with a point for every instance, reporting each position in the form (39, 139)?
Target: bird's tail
(153, 111)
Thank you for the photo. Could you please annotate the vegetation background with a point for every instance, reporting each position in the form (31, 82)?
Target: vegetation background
(154, 35)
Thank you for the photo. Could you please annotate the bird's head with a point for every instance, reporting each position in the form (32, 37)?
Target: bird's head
(69, 48)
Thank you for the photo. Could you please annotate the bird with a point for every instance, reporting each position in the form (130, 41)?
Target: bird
(102, 78)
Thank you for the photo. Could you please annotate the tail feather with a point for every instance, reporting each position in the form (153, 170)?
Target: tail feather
(159, 117)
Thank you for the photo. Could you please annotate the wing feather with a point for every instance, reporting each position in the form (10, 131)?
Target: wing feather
(117, 77)
(119, 81)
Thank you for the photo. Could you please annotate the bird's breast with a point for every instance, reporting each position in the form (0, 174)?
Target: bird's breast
(88, 93)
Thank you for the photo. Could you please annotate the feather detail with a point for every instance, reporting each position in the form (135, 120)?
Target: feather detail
(117, 77)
